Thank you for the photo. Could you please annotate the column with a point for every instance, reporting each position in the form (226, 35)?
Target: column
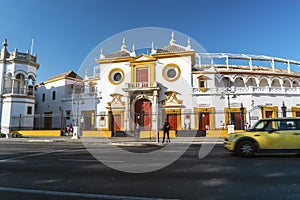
(154, 110)
(227, 63)
(155, 114)
(12, 85)
(25, 86)
(127, 112)
(273, 65)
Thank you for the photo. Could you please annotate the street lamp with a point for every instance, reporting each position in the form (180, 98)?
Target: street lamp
(229, 91)
(77, 100)
(283, 109)
(61, 119)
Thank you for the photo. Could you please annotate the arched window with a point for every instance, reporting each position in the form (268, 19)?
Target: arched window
(275, 83)
(251, 82)
(263, 82)
(239, 82)
(227, 82)
(8, 84)
(286, 83)
(30, 85)
(295, 83)
(19, 84)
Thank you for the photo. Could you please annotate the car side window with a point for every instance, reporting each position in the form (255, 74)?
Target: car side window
(287, 125)
(283, 125)
(270, 125)
(297, 123)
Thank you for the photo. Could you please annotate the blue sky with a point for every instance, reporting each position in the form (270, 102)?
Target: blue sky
(65, 31)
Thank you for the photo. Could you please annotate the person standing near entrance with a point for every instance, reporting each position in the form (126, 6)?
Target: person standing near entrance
(166, 131)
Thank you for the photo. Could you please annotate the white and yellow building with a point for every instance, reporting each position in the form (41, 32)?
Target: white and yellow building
(196, 92)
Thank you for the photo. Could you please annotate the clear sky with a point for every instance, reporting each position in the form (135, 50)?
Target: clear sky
(65, 31)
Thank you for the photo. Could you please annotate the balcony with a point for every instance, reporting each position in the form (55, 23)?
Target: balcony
(141, 86)
(18, 91)
(250, 90)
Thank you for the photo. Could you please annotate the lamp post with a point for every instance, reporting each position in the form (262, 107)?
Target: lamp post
(111, 122)
(61, 120)
(77, 100)
(229, 91)
(242, 117)
(283, 109)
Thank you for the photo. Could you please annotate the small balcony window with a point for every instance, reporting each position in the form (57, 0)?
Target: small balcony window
(202, 83)
(29, 110)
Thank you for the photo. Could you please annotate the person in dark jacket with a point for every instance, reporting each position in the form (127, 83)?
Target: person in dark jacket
(166, 131)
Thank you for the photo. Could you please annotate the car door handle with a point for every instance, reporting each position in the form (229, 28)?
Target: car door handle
(256, 135)
(296, 134)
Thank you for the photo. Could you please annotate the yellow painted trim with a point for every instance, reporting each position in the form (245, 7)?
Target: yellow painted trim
(92, 83)
(150, 59)
(169, 66)
(118, 112)
(233, 110)
(220, 133)
(106, 134)
(153, 134)
(113, 60)
(111, 78)
(202, 78)
(211, 111)
(172, 55)
(176, 111)
(274, 110)
(45, 133)
(294, 110)
(150, 65)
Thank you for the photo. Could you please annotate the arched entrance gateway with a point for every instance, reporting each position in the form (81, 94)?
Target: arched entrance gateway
(143, 114)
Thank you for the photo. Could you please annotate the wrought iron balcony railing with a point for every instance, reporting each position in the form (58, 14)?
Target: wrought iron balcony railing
(19, 91)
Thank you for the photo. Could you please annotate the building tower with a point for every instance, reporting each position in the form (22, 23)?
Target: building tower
(18, 75)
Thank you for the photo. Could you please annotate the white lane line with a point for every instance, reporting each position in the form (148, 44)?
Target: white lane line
(75, 194)
(90, 160)
(39, 140)
(78, 160)
(31, 155)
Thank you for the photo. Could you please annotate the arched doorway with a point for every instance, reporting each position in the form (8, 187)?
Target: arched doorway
(143, 114)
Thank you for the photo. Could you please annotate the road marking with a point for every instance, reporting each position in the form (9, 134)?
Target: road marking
(75, 194)
(39, 140)
(90, 160)
(31, 155)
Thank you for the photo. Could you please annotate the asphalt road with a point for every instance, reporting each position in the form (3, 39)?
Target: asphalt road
(67, 170)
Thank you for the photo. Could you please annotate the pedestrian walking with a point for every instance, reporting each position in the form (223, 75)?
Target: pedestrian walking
(166, 131)
(68, 129)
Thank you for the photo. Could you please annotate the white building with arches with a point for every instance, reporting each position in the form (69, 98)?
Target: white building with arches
(18, 75)
(196, 92)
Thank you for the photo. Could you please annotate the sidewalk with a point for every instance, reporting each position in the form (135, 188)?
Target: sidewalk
(122, 141)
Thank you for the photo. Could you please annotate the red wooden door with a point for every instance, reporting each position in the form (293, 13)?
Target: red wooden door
(205, 121)
(143, 114)
(172, 119)
(117, 122)
(237, 121)
(269, 114)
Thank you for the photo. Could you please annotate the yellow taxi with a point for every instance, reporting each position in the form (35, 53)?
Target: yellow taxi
(267, 135)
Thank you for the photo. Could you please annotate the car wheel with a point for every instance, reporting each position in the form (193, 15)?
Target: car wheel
(246, 148)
